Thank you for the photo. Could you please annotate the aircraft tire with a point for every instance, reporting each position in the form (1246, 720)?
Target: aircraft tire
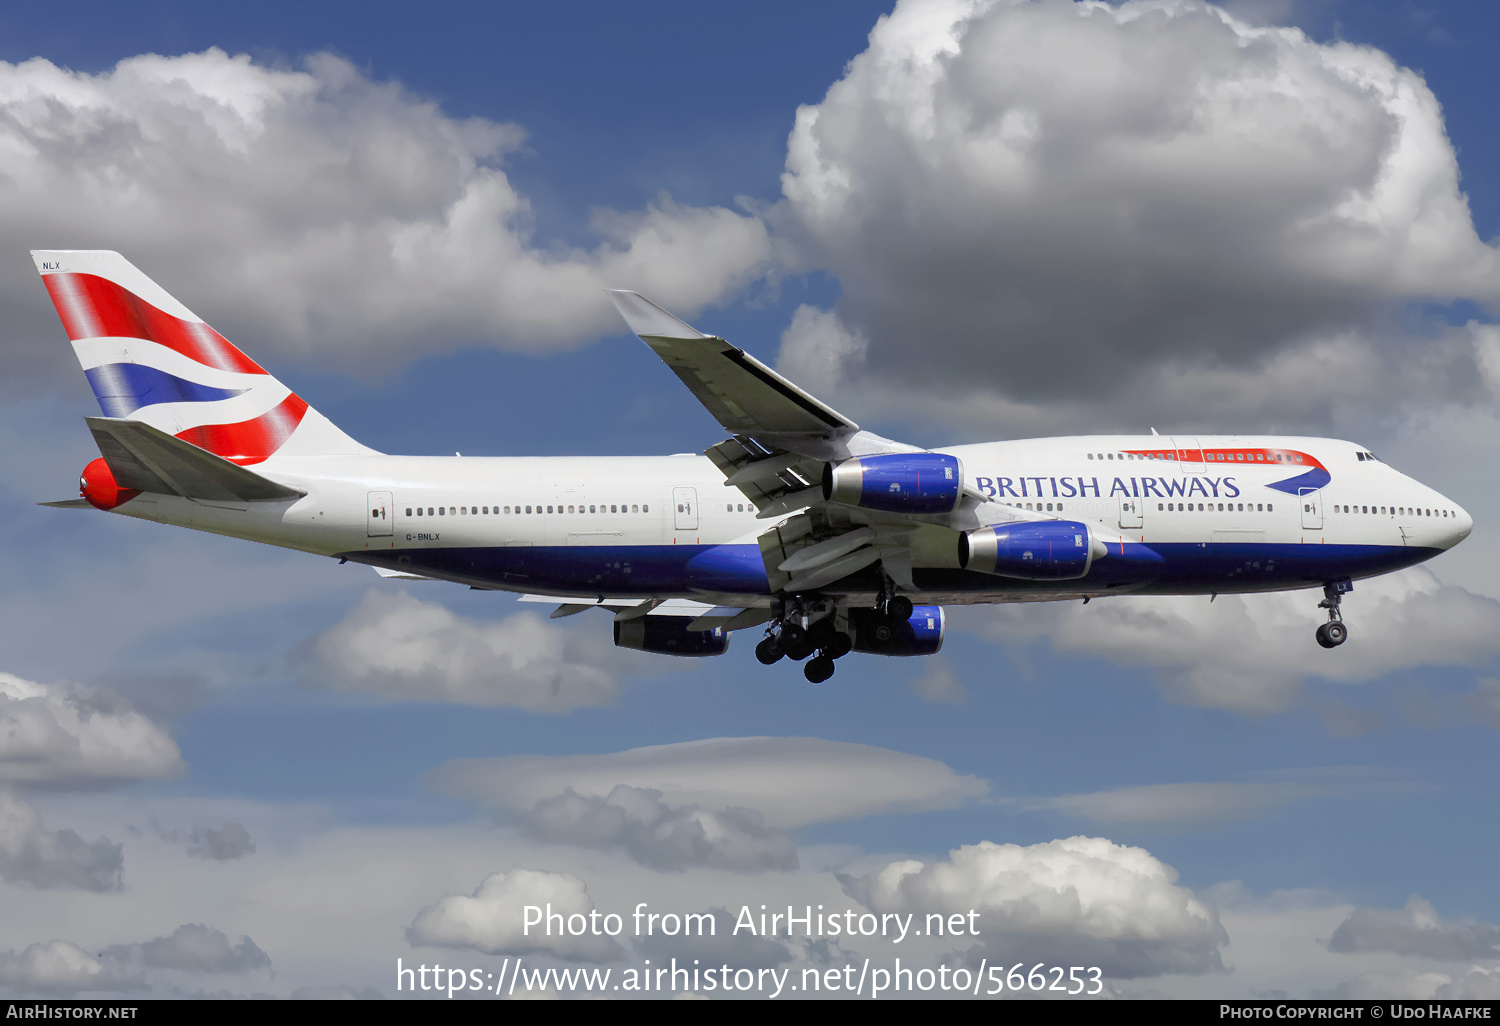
(899, 608)
(769, 651)
(818, 670)
(840, 646)
(796, 642)
(1332, 634)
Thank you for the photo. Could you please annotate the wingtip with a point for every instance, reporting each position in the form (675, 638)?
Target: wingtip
(645, 318)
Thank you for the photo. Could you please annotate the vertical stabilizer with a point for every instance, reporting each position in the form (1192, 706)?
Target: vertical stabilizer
(151, 359)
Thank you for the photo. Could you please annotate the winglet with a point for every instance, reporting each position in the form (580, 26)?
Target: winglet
(646, 318)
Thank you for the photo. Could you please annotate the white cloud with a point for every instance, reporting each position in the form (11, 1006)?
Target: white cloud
(1416, 930)
(56, 734)
(1080, 899)
(395, 645)
(319, 211)
(1148, 204)
(1251, 652)
(33, 855)
(659, 835)
(791, 781)
(493, 918)
(60, 967)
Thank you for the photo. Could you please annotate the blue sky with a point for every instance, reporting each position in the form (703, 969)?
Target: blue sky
(1290, 793)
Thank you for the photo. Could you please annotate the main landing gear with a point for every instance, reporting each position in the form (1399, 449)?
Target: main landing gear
(1333, 633)
(812, 627)
(796, 638)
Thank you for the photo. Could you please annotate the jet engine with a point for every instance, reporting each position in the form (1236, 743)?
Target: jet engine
(668, 635)
(903, 482)
(1046, 550)
(918, 635)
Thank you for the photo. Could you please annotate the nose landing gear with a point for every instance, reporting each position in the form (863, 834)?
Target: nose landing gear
(1333, 633)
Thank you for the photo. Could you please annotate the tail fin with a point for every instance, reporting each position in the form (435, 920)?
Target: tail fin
(149, 358)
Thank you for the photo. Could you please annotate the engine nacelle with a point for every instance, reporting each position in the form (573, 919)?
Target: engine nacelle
(668, 635)
(1046, 550)
(97, 484)
(919, 635)
(902, 482)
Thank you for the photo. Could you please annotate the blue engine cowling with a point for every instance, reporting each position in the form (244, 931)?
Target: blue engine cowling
(903, 482)
(668, 635)
(918, 635)
(1048, 550)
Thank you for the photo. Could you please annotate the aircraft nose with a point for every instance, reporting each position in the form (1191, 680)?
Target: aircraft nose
(1462, 526)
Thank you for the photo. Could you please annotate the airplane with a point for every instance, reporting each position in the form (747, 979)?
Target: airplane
(829, 538)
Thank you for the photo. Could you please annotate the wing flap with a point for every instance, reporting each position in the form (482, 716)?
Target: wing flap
(150, 460)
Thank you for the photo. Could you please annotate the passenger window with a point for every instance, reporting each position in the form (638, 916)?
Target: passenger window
(429, 511)
(637, 509)
(463, 510)
(645, 509)
(1159, 507)
(442, 511)
(528, 509)
(1091, 455)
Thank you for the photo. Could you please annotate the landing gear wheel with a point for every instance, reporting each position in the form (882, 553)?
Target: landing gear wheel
(822, 632)
(769, 650)
(796, 642)
(818, 670)
(899, 608)
(1332, 634)
(839, 647)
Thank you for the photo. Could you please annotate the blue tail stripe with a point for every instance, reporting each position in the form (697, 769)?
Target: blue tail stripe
(123, 388)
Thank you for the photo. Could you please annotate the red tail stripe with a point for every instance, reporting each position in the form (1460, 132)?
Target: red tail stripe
(95, 307)
(250, 441)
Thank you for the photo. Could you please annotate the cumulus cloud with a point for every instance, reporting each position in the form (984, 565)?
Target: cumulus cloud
(492, 918)
(1152, 203)
(791, 781)
(56, 735)
(31, 854)
(1083, 898)
(60, 967)
(662, 836)
(318, 210)
(1416, 930)
(401, 647)
(1251, 652)
(193, 948)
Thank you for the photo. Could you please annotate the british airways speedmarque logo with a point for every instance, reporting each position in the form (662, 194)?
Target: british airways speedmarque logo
(1313, 473)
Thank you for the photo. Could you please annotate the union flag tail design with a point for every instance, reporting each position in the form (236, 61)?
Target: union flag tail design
(149, 358)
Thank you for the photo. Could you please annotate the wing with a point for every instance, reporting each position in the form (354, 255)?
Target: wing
(782, 438)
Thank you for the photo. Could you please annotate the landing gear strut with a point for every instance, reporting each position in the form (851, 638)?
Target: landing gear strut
(1333, 633)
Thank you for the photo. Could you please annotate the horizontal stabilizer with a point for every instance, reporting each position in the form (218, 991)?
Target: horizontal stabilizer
(69, 504)
(150, 460)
